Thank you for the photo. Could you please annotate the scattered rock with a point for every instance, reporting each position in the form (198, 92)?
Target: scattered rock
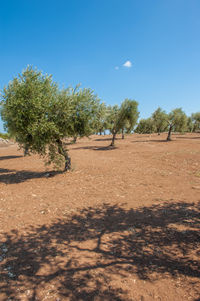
(47, 175)
(195, 187)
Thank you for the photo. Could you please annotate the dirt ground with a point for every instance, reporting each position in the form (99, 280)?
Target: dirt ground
(122, 225)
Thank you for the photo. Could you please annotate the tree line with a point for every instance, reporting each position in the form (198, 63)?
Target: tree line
(40, 115)
(175, 121)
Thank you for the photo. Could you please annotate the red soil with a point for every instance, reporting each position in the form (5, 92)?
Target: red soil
(122, 225)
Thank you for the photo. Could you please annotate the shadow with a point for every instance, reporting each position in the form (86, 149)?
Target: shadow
(8, 176)
(79, 256)
(96, 148)
(9, 157)
(3, 170)
(107, 139)
(151, 140)
(188, 137)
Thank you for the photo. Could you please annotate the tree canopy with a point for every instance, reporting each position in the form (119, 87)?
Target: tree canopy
(39, 115)
(145, 126)
(124, 117)
(101, 122)
(159, 118)
(196, 121)
(177, 121)
(84, 109)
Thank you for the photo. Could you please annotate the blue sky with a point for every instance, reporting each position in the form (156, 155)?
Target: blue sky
(89, 41)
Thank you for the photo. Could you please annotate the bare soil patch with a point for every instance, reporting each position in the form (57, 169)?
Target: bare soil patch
(122, 225)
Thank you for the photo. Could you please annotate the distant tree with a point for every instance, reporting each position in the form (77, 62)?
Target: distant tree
(127, 129)
(101, 120)
(145, 126)
(159, 118)
(84, 109)
(190, 124)
(37, 115)
(196, 121)
(177, 122)
(125, 116)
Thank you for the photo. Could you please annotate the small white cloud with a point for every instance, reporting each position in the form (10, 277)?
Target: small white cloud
(116, 68)
(127, 64)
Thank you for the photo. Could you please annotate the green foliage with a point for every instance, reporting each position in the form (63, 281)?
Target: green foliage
(39, 115)
(190, 125)
(35, 113)
(84, 108)
(159, 118)
(178, 120)
(129, 115)
(145, 126)
(101, 123)
(111, 117)
(196, 121)
(124, 117)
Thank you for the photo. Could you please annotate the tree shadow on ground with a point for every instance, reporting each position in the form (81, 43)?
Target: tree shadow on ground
(9, 176)
(106, 139)
(198, 137)
(150, 140)
(5, 170)
(78, 256)
(96, 148)
(9, 157)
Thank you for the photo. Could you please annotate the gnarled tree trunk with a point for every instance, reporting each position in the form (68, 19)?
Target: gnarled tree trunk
(62, 151)
(113, 139)
(122, 133)
(25, 151)
(169, 133)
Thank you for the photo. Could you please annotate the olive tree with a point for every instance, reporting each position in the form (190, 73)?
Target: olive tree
(37, 114)
(190, 124)
(124, 116)
(84, 109)
(196, 121)
(159, 118)
(101, 121)
(40, 116)
(145, 126)
(177, 121)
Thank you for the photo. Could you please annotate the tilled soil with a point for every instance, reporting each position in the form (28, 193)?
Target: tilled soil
(122, 225)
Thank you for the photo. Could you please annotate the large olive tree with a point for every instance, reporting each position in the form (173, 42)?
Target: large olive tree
(37, 114)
